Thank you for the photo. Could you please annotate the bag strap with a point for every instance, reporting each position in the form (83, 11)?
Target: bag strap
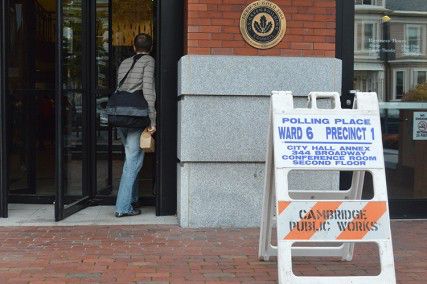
(135, 59)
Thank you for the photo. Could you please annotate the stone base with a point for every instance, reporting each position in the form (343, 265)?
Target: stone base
(222, 130)
(230, 194)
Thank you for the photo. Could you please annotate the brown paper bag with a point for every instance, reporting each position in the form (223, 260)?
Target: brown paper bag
(147, 142)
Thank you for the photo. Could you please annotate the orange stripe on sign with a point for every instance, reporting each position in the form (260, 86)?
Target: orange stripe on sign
(374, 211)
(296, 234)
(282, 205)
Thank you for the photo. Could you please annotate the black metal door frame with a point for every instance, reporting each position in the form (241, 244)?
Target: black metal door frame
(3, 125)
(62, 211)
(170, 31)
(344, 50)
(344, 47)
(91, 85)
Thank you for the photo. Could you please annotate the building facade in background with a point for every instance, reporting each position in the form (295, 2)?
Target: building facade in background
(390, 53)
(390, 58)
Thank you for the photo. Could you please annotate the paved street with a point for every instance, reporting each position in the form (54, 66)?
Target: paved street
(169, 254)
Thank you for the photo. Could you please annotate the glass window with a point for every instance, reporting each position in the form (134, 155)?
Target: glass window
(359, 36)
(420, 77)
(366, 36)
(398, 76)
(400, 84)
(73, 96)
(413, 40)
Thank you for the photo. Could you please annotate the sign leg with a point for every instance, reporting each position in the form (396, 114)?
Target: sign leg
(268, 209)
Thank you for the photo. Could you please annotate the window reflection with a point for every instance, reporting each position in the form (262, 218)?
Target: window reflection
(391, 59)
(390, 52)
(72, 47)
(72, 100)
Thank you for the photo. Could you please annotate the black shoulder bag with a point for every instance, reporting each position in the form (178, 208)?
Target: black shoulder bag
(128, 110)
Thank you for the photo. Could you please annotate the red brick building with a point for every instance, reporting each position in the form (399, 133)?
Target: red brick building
(58, 62)
(212, 27)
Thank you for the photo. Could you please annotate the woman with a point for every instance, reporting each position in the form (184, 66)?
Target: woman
(140, 77)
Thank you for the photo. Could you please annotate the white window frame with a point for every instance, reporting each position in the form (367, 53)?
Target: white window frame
(421, 39)
(415, 71)
(405, 83)
(377, 34)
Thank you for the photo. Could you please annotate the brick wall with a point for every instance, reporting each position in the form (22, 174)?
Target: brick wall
(213, 28)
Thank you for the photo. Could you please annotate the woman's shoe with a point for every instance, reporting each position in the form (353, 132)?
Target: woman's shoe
(133, 213)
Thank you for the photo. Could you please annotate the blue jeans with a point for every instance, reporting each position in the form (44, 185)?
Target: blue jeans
(128, 189)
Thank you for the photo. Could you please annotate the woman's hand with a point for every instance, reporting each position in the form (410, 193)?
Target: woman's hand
(151, 130)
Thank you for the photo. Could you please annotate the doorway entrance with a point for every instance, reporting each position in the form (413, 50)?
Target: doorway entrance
(59, 146)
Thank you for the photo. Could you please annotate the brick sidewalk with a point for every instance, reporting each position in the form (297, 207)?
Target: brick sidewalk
(169, 254)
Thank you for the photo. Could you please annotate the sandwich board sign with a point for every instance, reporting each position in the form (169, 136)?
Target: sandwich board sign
(314, 139)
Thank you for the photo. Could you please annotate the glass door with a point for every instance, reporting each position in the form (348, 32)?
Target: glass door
(103, 86)
(73, 73)
(393, 65)
(117, 23)
(28, 43)
(96, 37)
(58, 66)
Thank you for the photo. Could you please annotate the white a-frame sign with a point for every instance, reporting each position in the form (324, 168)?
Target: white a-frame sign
(314, 139)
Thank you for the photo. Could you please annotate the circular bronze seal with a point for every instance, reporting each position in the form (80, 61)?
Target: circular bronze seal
(263, 24)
